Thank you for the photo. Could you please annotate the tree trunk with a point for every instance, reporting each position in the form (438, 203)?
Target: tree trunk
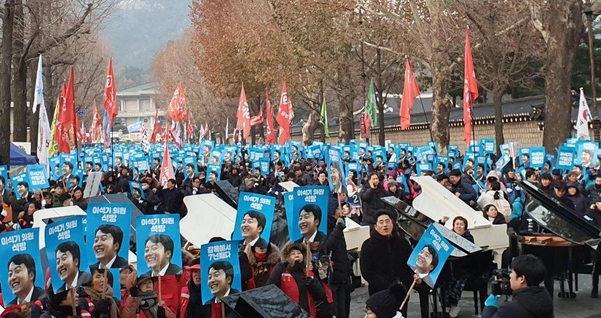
(498, 102)
(563, 22)
(5, 76)
(49, 95)
(345, 105)
(441, 107)
(19, 76)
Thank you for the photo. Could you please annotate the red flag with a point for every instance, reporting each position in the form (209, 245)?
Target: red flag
(243, 115)
(285, 116)
(176, 106)
(185, 114)
(167, 172)
(270, 135)
(410, 92)
(157, 129)
(190, 128)
(366, 126)
(257, 119)
(95, 130)
(470, 90)
(67, 110)
(176, 134)
(110, 94)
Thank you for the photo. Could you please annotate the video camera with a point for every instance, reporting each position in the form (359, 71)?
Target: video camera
(499, 283)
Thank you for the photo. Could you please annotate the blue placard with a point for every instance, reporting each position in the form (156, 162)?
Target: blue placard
(15, 181)
(108, 227)
(537, 157)
(18, 250)
(587, 154)
(565, 158)
(264, 165)
(312, 198)
(503, 161)
(262, 204)
(37, 177)
(158, 246)
(336, 178)
(55, 167)
(136, 186)
(215, 170)
(488, 145)
(220, 270)
(64, 240)
(429, 255)
(4, 173)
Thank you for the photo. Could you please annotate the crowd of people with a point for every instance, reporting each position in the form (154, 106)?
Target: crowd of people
(321, 285)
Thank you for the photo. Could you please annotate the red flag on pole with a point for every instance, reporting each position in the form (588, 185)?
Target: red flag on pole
(270, 134)
(96, 129)
(67, 111)
(366, 125)
(176, 106)
(190, 128)
(285, 116)
(157, 129)
(470, 90)
(110, 94)
(257, 119)
(410, 92)
(167, 172)
(243, 115)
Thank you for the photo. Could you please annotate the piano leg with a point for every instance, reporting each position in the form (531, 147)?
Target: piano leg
(549, 284)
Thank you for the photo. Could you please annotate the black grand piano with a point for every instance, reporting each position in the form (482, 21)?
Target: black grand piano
(562, 239)
(476, 260)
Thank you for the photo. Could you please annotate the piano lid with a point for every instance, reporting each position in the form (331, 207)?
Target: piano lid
(414, 223)
(436, 201)
(556, 218)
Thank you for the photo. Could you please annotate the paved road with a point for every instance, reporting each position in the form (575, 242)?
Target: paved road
(581, 307)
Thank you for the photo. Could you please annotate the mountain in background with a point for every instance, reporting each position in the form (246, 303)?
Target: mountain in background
(137, 29)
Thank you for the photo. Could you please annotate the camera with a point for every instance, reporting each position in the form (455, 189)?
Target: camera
(499, 284)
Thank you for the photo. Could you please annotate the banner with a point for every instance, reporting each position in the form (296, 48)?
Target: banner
(108, 232)
(537, 157)
(158, 245)
(69, 264)
(220, 271)
(38, 179)
(254, 217)
(429, 255)
(310, 213)
(23, 274)
(565, 158)
(336, 178)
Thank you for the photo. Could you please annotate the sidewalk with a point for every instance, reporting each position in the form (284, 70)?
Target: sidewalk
(582, 306)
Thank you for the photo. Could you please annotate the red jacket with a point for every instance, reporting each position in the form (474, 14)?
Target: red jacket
(290, 288)
(170, 291)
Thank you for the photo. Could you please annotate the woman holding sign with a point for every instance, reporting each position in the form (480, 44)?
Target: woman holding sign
(96, 296)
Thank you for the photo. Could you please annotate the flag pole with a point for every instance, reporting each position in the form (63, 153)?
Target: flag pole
(426, 118)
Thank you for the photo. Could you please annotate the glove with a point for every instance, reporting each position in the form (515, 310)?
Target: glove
(492, 301)
(308, 280)
(340, 224)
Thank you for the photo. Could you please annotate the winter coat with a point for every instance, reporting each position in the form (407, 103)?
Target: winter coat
(529, 302)
(172, 200)
(593, 192)
(384, 261)
(335, 245)
(595, 216)
(304, 290)
(370, 202)
(191, 302)
(502, 205)
(261, 270)
(579, 202)
(467, 191)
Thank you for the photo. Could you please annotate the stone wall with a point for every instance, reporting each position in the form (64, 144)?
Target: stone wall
(526, 133)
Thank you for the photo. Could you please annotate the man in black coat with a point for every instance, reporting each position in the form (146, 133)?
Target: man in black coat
(371, 199)
(172, 198)
(384, 255)
(529, 299)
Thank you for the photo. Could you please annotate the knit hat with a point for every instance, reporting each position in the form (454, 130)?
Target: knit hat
(386, 303)
(392, 173)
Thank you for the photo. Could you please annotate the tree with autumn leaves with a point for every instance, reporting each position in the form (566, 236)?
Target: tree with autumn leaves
(330, 49)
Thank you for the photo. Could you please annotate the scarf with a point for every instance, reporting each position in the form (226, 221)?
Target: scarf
(108, 295)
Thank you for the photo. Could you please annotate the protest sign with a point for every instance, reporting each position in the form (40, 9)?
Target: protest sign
(158, 245)
(255, 214)
(108, 232)
(220, 271)
(429, 255)
(310, 212)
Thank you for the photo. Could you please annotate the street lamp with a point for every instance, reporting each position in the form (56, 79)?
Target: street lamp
(590, 16)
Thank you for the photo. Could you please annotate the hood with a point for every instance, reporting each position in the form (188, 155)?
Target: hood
(537, 299)
(573, 185)
(288, 248)
(273, 257)
(493, 173)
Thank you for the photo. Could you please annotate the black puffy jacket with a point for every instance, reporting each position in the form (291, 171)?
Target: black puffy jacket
(530, 302)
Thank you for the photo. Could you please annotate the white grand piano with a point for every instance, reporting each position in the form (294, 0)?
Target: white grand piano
(436, 202)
